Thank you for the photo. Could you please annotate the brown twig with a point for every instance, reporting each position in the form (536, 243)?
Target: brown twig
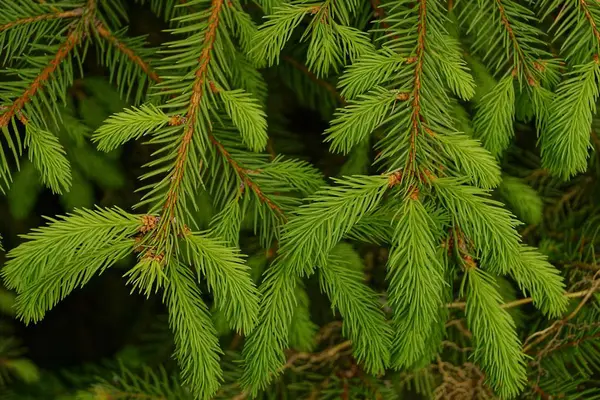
(314, 358)
(76, 12)
(416, 117)
(588, 16)
(458, 323)
(520, 302)
(557, 326)
(516, 47)
(123, 48)
(464, 381)
(72, 40)
(192, 113)
(246, 180)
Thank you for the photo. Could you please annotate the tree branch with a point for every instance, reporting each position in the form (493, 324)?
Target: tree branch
(416, 117)
(516, 46)
(77, 12)
(192, 111)
(63, 52)
(527, 300)
(245, 178)
(540, 336)
(241, 172)
(122, 47)
(588, 16)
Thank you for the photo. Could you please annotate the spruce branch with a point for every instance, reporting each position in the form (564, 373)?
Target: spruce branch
(364, 321)
(81, 233)
(415, 274)
(484, 221)
(76, 12)
(493, 122)
(577, 24)
(127, 51)
(521, 61)
(64, 51)
(247, 115)
(107, 133)
(373, 68)
(227, 277)
(565, 142)
(198, 88)
(246, 179)
(497, 347)
(196, 344)
(355, 122)
(331, 213)
(48, 157)
(130, 124)
(416, 119)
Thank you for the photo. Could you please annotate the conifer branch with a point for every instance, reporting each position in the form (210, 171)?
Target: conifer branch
(178, 120)
(73, 39)
(192, 111)
(64, 51)
(521, 58)
(77, 12)
(123, 48)
(590, 19)
(416, 117)
(246, 180)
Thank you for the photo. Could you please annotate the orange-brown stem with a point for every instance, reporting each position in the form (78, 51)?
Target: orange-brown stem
(192, 112)
(588, 16)
(247, 181)
(122, 47)
(63, 52)
(517, 48)
(416, 117)
(77, 12)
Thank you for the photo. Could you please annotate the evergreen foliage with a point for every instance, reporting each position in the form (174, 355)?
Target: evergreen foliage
(439, 239)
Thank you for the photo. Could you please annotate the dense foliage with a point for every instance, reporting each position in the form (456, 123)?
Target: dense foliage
(302, 199)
